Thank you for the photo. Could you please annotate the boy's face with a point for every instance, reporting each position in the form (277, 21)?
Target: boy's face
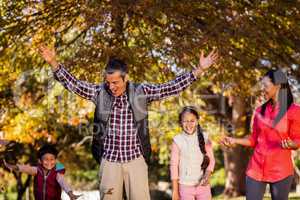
(48, 161)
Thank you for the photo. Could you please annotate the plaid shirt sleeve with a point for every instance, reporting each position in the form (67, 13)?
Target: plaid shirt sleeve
(160, 91)
(84, 89)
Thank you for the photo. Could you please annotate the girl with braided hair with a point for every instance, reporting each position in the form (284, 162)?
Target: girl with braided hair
(192, 160)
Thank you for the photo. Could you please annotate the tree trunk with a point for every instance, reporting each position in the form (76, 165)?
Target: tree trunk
(236, 158)
(21, 186)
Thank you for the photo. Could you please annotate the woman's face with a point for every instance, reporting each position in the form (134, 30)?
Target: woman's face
(269, 89)
(189, 123)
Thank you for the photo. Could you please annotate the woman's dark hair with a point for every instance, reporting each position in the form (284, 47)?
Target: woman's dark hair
(285, 96)
(114, 65)
(47, 148)
(192, 110)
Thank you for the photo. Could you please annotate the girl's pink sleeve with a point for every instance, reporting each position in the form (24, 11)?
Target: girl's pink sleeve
(210, 154)
(174, 165)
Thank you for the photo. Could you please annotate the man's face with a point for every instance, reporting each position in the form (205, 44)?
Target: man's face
(115, 83)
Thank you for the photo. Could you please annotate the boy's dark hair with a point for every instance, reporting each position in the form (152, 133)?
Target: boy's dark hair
(114, 65)
(47, 148)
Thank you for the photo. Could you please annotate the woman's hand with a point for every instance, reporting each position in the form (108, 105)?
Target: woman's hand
(227, 141)
(289, 144)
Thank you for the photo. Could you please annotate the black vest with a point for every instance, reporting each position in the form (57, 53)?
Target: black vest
(138, 104)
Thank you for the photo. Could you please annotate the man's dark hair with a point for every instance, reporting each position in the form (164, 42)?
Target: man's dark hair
(47, 148)
(114, 65)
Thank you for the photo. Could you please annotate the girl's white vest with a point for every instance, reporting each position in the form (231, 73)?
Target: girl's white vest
(190, 158)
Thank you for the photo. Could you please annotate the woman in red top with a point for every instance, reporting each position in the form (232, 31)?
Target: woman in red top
(275, 133)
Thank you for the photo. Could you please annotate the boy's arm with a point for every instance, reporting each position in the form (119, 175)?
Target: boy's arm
(27, 169)
(66, 187)
(63, 184)
(22, 168)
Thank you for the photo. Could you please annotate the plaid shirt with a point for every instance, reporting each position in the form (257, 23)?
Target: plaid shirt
(122, 143)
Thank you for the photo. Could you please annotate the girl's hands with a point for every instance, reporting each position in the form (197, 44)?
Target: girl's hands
(205, 179)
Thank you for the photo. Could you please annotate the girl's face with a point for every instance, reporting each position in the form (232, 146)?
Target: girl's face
(48, 161)
(189, 123)
(269, 89)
